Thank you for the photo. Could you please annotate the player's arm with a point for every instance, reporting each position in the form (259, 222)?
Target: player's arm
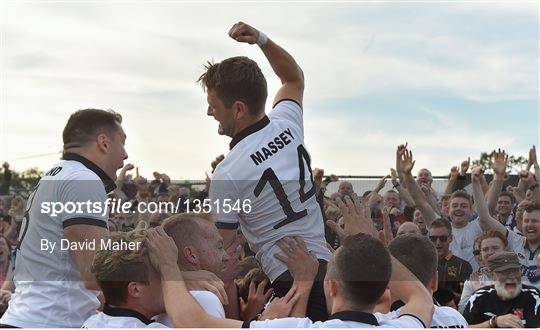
(406, 287)
(81, 233)
(181, 307)
(283, 64)
(88, 224)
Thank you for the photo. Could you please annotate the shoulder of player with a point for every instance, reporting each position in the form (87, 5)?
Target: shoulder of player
(204, 295)
(73, 170)
(449, 313)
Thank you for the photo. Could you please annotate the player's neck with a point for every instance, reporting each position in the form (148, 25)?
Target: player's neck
(342, 306)
(134, 306)
(91, 156)
(241, 125)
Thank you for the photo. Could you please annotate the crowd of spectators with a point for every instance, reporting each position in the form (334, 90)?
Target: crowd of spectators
(486, 245)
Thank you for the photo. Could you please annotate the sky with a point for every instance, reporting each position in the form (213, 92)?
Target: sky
(451, 78)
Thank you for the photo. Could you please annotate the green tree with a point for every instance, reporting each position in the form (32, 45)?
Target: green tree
(515, 163)
(26, 179)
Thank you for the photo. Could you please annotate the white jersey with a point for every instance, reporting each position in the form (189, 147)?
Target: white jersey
(527, 257)
(443, 317)
(209, 302)
(342, 320)
(462, 244)
(114, 317)
(269, 168)
(49, 291)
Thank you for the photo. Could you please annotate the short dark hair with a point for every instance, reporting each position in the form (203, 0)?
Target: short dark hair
(236, 79)
(533, 207)
(461, 194)
(417, 253)
(441, 223)
(363, 267)
(509, 195)
(84, 125)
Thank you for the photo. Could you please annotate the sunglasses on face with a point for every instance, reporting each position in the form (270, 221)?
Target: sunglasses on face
(442, 238)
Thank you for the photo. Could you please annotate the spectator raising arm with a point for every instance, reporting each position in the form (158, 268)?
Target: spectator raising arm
(406, 165)
(303, 266)
(452, 178)
(499, 161)
(487, 222)
(403, 193)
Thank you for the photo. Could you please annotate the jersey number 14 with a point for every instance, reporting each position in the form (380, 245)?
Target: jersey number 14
(269, 176)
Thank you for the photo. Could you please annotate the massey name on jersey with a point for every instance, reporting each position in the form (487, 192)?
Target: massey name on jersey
(278, 143)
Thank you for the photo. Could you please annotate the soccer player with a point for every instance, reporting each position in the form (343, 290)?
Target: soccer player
(54, 285)
(358, 275)
(268, 165)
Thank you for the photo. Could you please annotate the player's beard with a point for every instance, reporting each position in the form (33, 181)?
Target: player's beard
(505, 294)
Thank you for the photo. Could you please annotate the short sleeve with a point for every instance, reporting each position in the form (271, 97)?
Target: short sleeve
(222, 191)
(209, 302)
(403, 321)
(84, 202)
(290, 111)
(288, 322)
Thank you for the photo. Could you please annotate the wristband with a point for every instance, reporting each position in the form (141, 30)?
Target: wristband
(262, 39)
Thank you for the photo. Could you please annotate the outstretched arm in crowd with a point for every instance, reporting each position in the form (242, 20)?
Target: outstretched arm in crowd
(406, 164)
(303, 266)
(283, 64)
(406, 287)
(499, 161)
(403, 193)
(452, 178)
(356, 219)
(487, 222)
(181, 307)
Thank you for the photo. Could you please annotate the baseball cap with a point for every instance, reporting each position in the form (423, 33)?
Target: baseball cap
(503, 261)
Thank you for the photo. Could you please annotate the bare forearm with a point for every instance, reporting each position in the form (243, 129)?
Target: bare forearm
(487, 222)
(420, 200)
(282, 63)
(493, 194)
(232, 309)
(450, 186)
(405, 196)
(406, 287)
(303, 290)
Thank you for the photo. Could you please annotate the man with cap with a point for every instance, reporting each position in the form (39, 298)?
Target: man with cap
(507, 303)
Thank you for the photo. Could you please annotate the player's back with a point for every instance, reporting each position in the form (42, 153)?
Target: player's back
(49, 288)
(268, 167)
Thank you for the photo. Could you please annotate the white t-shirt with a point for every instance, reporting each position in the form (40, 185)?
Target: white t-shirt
(462, 244)
(527, 257)
(208, 301)
(443, 317)
(49, 291)
(342, 320)
(113, 317)
(269, 167)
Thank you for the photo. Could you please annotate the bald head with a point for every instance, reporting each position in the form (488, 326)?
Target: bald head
(408, 228)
